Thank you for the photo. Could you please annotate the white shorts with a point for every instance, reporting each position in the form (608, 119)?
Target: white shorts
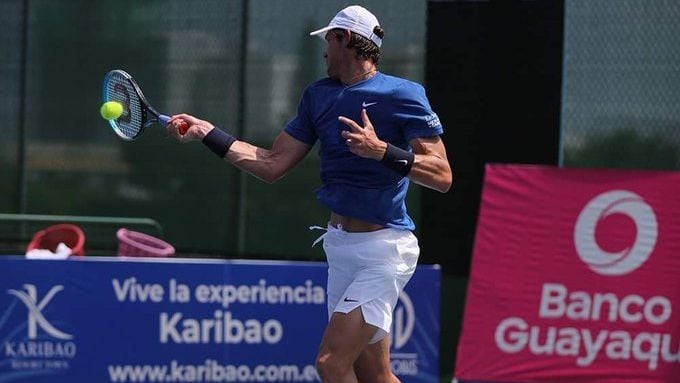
(369, 270)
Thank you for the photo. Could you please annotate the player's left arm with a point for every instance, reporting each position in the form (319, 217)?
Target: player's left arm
(431, 167)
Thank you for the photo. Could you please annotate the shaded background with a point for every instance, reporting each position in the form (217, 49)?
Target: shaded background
(570, 83)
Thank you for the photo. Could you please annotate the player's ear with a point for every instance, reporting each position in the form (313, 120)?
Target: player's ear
(346, 37)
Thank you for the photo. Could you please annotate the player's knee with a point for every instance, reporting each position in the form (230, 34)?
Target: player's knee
(331, 369)
(378, 377)
(388, 378)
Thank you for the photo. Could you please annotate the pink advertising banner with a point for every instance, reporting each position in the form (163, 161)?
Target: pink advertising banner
(575, 278)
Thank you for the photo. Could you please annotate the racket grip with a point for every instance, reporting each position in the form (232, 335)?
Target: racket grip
(183, 128)
(163, 119)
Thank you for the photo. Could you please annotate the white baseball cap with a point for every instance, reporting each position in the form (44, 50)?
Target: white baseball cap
(355, 18)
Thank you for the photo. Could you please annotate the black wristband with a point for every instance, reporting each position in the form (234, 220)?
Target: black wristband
(218, 141)
(398, 159)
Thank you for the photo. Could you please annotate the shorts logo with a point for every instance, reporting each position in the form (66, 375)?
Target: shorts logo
(628, 259)
(35, 316)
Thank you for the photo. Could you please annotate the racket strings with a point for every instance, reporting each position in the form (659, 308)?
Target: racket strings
(129, 124)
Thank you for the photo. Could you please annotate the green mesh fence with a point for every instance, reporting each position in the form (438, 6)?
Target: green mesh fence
(240, 64)
(621, 84)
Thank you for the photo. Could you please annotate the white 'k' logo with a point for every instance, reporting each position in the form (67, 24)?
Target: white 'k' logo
(35, 316)
(629, 259)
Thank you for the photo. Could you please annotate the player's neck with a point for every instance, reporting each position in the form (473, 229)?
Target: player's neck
(363, 71)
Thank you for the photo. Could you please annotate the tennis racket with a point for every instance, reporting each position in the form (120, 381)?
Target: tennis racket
(137, 114)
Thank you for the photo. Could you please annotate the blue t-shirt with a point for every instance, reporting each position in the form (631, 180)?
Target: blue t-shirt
(354, 186)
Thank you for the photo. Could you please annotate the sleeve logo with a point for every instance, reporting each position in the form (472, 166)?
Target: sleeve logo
(432, 120)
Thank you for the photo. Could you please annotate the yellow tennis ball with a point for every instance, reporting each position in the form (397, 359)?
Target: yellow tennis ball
(111, 110)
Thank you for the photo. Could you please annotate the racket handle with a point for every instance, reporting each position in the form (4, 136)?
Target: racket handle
(163, 119)
(183, 128)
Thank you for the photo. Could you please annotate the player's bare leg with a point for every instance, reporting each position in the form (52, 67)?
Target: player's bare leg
(373, 364)
(344, 340)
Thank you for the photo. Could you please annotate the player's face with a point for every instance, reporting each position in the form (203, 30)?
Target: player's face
(333, 55)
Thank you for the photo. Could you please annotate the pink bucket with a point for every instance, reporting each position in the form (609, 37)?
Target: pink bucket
(136, 244)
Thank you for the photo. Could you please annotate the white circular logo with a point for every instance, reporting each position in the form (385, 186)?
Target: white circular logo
(404, 321)
(630, 258)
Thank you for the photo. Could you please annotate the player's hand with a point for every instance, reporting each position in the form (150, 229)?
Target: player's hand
(194, 128)
(363, 141)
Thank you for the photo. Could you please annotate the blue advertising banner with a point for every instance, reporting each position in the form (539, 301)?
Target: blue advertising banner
(141, 320)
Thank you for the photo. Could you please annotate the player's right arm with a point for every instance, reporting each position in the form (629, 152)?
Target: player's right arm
(269, 165)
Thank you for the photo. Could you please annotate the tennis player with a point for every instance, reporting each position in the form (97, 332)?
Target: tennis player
(377, 133)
